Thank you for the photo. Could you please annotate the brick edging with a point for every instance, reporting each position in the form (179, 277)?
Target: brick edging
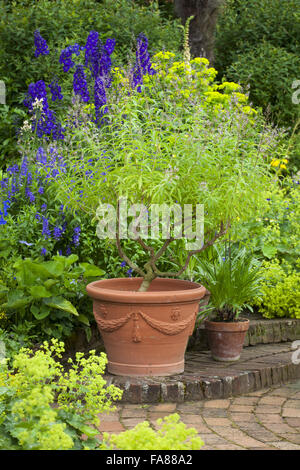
(206, 379)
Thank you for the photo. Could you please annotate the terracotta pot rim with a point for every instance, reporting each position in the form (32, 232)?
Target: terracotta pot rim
(183, 291)
(241, 325)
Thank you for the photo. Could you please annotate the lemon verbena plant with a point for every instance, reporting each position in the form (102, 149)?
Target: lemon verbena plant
(177, 138)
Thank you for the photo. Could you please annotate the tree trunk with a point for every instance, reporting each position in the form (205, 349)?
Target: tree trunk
(203, 25)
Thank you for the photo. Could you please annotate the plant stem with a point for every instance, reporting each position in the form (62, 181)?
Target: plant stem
(148, 278)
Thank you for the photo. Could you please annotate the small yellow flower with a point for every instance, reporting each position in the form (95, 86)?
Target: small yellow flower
(283, 166)
(229, 87)
(200, 61)
(164, 55)
(242, 98)
(249, 110)
(275, 162)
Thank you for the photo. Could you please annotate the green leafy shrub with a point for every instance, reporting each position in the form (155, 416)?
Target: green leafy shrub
(257, 44)
(16, 336)
(243, 25)
(172, 435)
(275, 233)
(11, 119)
(280, 289)
(62, 23)
(270, 71)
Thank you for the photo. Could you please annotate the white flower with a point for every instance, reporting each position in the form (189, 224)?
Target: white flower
(38, 104)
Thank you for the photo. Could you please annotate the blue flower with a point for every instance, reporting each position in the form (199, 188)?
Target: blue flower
(123, 264)
(66, 56)
(57, 233)
(55, 90)
(2, 221)
(30, 195)
(143, 65)
(92, 53)
(13, 169)
(97, 56)
(40, 44)
(6, 205)
(25, 243)
(43, 251)
(4, 183)
(129, 272)
(49, 126)
(110, 46)
(80, 84)
(41, 156)
(24, 167)
(46, 232)
(76, 236)
(100, 100)
(105, 61)
(36, 91)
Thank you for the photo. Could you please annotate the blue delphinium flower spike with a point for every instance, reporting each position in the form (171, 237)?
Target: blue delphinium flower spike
(40, 44)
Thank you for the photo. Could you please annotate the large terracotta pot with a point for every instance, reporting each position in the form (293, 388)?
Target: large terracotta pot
(145, 333)
(226, 339)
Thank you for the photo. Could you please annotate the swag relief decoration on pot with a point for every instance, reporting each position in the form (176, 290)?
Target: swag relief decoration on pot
(109, 326)
(145, 333)
(100, 309)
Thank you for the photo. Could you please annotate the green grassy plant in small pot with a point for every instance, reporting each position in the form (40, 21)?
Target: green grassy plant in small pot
(233, 279)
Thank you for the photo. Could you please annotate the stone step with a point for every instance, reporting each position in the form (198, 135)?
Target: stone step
(261, 331)
(259, 366)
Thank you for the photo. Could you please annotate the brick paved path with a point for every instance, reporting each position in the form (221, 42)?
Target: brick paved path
(267, 419)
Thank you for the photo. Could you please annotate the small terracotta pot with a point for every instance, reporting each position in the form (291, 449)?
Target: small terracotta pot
(145, 333)
(226, 339)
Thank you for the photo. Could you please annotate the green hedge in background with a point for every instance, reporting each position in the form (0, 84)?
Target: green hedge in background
(258, 43)
(63, 23)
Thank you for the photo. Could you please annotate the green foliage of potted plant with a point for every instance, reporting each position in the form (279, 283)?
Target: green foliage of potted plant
(233, 278)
